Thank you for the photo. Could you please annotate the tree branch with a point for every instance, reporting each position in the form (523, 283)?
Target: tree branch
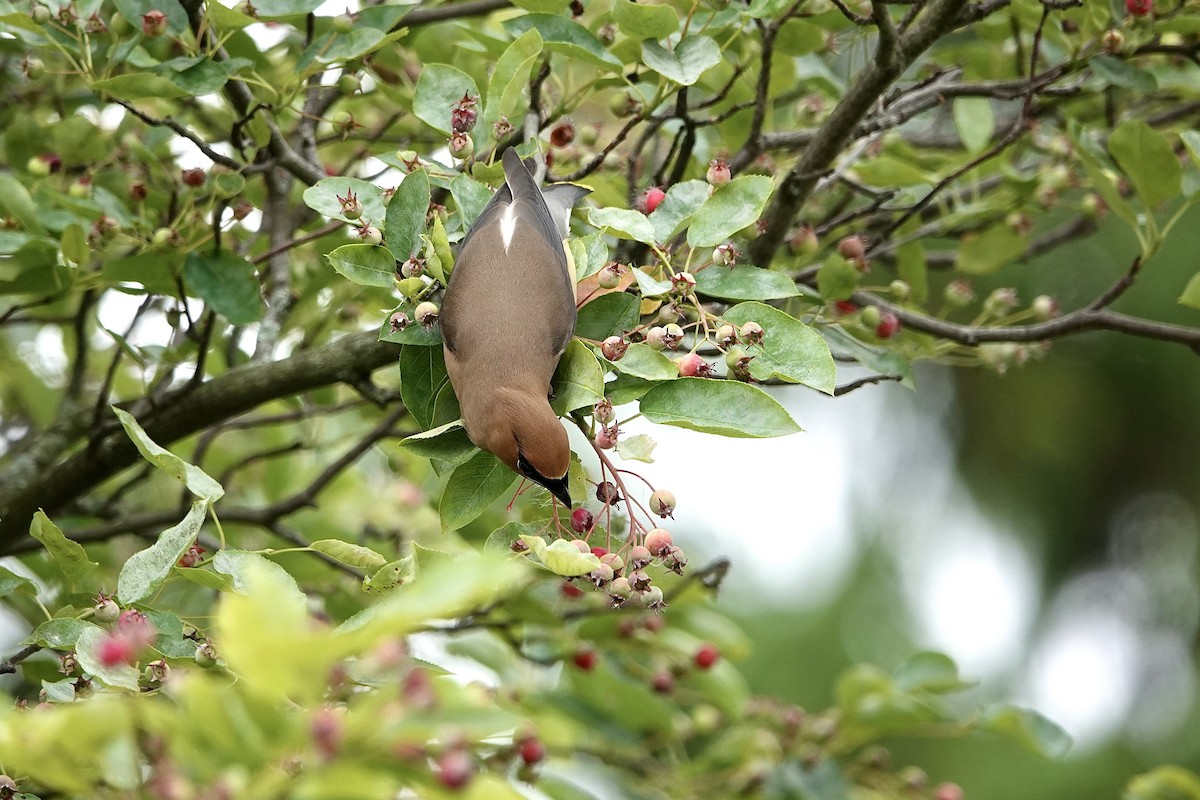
(181, 413)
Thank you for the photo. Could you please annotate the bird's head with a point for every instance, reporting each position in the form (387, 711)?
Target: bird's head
(528, 437)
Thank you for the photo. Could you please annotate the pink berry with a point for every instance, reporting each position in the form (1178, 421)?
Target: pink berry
(582, 520)
(706, 656)
(663, 682)
(585, 659)
(852, 248)
(640, 556)
(652, 198)
(690, 365)
(115, 650)
(948, 791)
(606, 438)
(718, 172)
(613, 348)
(137, 628)
(889, 323)
(658, 542)
(154, 23)
(454, 769)
(463, 114)
(327, 730)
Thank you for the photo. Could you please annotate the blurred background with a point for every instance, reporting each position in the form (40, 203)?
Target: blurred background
(1039, 526)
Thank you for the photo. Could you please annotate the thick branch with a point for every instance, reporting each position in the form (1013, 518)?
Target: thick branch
(837, 129)
(182, 413)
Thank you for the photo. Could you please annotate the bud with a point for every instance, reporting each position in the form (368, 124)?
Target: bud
(852, 248)
(194, 177)
(662, 681)
(603, 412)
(675, 560)
(751, 333)
(804, 242)
(81, 189)
(1000, 302)
(369, 234)
(718, 172)
(138, 191)
(656, 337)
(726, 336)
(606, 438)
(870, 316)
(154, 23)
(672, 335)
(652, 599)
(39, 14)
(205, 655)
(683, 282)
(613, 348)
(609, 276)
(413, 267)
(737, 361)
(900, 290)
(1113, 41)
(399, 321)
(42, 165)
(958, 294)
(726, 255)
(461, 146)
(242, 209)
(426, 313)
(106, 609)
(33, 68)
(1044, 307)
(352, 207)
(501, 128)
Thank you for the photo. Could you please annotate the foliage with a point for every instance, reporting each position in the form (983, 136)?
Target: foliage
(219, 606)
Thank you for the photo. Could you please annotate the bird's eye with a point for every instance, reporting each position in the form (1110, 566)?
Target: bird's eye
(527, 469)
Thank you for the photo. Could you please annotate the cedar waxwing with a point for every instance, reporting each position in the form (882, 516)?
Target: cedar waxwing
(507, 317)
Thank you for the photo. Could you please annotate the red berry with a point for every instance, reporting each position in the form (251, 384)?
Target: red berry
(562, 134)
(192, 557)
(663, 682)
(115, 650)
(582, 520)
(463, 114)
(194, 177)
(691, 365)
(1139, 8)
(570, 590)
(889, 323)
(706, 656)
(652, 198)
(585, 660)
(845, 306)
(137, 627)
(454, 769)
(599, 552)
(606, 492)
(327, 730)
(532, 750)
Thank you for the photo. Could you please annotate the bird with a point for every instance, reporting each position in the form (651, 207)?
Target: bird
(507, 317)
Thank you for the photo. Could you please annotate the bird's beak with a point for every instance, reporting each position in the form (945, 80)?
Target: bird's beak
(558, 488)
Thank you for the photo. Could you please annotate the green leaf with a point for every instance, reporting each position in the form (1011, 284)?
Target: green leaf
(501, 539)
(365, 264)
(447, 443)
(638, 447)
(197, 480)
(590, 254)
(799, 38)
(74, 244)
(1105, 186)
(607, 315)
(691, 58)
(643, 361)
(578, 381)
(1191, 140)
(443, 263)
(888, 170)
(423, 380)
(1124, 74)
(322, 197)
(242, 567)
(70, 556)
(562, 557)
(470, 196)
(153, 271)
(285, 8)
(204, 577)
(790, 350)
(406, 215)
(509, 79)
(354, 555)
(1027, 728)
(649, 286)
(639, 21)
(929, 672)
(722, 407)
(676, 209)
(1191, 293)
(744, 283)
(439, 89)
(87, 651)
(975, 123)
(59, 634)
(882, 361)
(226, 282)
(12, 582)
(730, 208)
(990, 250)
(569, 38)
(134, 10)
(145, 571)
(627, 388)
(391, 575)
(623, 223)
(1146, 157)
(139, 86)
(16, 202)
(350, 45)
(1165, 782)
(473, 486)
